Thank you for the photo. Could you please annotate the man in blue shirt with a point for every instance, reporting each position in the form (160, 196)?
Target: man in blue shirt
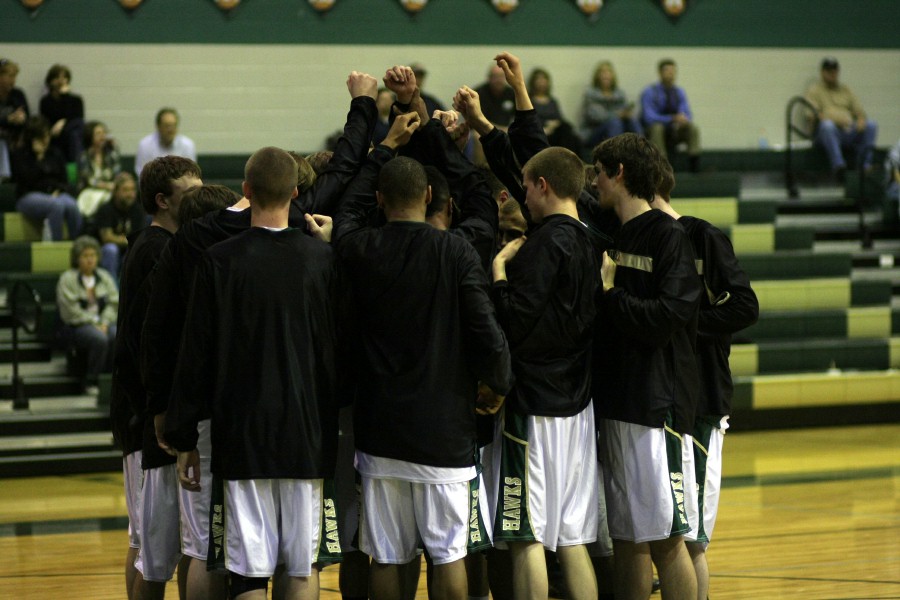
(667, 116)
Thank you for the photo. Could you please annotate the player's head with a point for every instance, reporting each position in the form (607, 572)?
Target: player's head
(402, 184)
(666, 179)
(165, 179)
(306, 175)
(200, 200)
(635, 157)
(270, 178)
(440, 193)
(498, 190)
(560, 168)
(512, 223)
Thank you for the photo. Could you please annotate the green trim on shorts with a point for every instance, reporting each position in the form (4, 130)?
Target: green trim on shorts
(329, 551)
(513, 522)
(479, 539)
(680, 524)
(215, 555)
(703, 432)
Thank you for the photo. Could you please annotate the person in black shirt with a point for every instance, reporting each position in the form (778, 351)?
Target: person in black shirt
(427, 333)
(116, 220)
(162, 185)
(544, 289)
(649, 305)
(64, 111)
(259, 353)
(728, 306)
(13, 113)
(42, 183)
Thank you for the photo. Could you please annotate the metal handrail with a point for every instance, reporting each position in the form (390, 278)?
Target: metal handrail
(20, 320)
(865, 234)
(790, 129)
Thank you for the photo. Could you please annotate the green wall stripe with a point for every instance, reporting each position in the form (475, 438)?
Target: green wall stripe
(760, 23)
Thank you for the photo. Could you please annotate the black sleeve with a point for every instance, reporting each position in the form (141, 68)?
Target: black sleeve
(194, 375)
(162, 329)
(732, 304)
(678, 290)
(358, 203)
(526, 134)
(479, 221)
(104, 217)
(502, 160)
(487, 349)
(351, 150)
(521, 302)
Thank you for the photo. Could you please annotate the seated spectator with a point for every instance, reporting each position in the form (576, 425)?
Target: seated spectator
(892, 172)
(64, 111)
(116, 220)
(606, 111)
(667, 115)
(13, 113)
(98, 165)
(42, 184)
(164, 141)
(88, 302)
(842, 120)
(559, 131)
(383, 102)
(431, 103)
(498, 101)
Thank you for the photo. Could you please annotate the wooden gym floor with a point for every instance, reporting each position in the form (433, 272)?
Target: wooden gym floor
(804, 514)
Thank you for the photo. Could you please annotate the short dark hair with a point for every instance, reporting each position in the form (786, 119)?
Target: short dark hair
(157, 177)
(55, 71)
(493, 181)
(440, 191)
(561, 169)
(590, 174)
(271, 175)
(306, 175)
(202, 199)
(36, 127)
(640, 159)
(666, 178)
(166, 110)
(319, 160)
(402, 183)
(666, 62)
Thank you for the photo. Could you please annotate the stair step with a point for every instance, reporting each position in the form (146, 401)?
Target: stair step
(27, 445)
(37, 386)
(28, 352)
(61, 463)
(35, 422)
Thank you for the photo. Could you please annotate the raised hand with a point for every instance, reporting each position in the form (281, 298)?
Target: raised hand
(512, 68)
(402, 81)
(319, 226)
(362, 84)
(401, 130)
(467, 102)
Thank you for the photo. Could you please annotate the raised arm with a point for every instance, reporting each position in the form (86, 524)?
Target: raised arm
(358, 203)
(350, 151)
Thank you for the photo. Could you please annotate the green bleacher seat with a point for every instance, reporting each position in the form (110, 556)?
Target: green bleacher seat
(795, 265)
(16, 228)
(806, 390)
(804, 356)
(7, 197)
(856, 322)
